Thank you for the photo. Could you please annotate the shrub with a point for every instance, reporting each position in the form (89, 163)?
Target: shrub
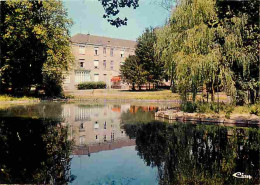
(189, 107)
(203, 107)
(255, 109)
(92, 85)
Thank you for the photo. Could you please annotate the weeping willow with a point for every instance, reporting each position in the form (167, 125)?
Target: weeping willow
(200, 49)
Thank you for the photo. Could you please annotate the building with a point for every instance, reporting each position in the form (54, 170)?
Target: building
(97, 59)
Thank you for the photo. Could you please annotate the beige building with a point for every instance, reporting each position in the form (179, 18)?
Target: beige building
(97, 59)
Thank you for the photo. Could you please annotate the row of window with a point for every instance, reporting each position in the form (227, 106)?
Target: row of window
(82, 51)
(84, 76)
(96, 64)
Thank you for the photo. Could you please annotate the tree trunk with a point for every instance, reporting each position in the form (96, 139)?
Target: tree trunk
(259, 61)
(212, 93)
(252, 96)
(204, 91)
(133, 88)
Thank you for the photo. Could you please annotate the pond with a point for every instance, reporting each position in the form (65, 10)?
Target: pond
(120, 143)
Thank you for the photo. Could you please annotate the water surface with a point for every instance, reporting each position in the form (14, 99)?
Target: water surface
(120, 143)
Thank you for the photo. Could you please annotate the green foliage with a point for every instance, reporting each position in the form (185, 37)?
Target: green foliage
(132, 71)
(204, 107)
(189, 107)
(92, 85)
(212, 43)
(112, 8)
(35, 45)
(145, 51)
(13, 98)
(255, 109)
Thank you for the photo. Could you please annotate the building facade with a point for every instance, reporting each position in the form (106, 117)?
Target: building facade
(97, 59)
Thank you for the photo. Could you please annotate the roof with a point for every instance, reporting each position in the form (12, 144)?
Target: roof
(99, 40)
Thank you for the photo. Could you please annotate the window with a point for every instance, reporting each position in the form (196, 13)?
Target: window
(96, 126)
(82, 76)
(112, 64)
(112, 52)
(122, 54)
(81, 126)
(96, 77)
(96, 50)
(96, 64)
(105, 64)
(82, 140)
(81, 62)
(82, 50)
(104, 50)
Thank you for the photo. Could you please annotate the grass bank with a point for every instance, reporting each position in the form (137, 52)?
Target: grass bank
(123, 94)
(13, 99)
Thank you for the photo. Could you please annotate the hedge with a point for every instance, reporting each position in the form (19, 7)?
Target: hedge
(92, 85)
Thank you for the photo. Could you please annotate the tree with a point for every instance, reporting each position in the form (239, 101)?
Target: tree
(241, 20)
(145, 52)
(112, 9)
(35, 45)
(163, 53)
(206, 48)
(132, 72)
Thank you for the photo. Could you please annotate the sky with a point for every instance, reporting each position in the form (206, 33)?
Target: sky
(87, 16)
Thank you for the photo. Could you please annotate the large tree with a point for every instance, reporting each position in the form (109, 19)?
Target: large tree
(145, 52)
(209, 49)
(35, 45)
(132, 72)
(241, 21)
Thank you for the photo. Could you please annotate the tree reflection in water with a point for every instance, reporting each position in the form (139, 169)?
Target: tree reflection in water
(198, 154)
(34, 151)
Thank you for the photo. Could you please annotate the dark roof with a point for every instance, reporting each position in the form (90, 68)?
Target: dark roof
(98, 40)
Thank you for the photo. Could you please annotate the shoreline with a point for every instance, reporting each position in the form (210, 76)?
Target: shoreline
(243, 120)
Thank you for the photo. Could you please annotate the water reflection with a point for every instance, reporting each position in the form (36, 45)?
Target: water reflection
(34, 151)
(36, 146)
(96, 128)
(201, 154)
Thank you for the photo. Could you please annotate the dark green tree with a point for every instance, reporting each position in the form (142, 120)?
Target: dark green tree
(145, 51)
(246, 79)
(132, 72)
(35, 47)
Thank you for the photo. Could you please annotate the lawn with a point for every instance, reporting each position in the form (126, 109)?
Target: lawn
(113, 94)
(7, 98)
(123, 94)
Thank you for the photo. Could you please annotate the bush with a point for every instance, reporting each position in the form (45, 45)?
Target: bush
(189, 107)
(92, 85)
(255, 109)
(202, 107)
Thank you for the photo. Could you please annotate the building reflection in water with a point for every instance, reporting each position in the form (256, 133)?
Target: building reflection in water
(95, 128)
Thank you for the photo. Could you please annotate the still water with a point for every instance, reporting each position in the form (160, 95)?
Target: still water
(120, 143)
